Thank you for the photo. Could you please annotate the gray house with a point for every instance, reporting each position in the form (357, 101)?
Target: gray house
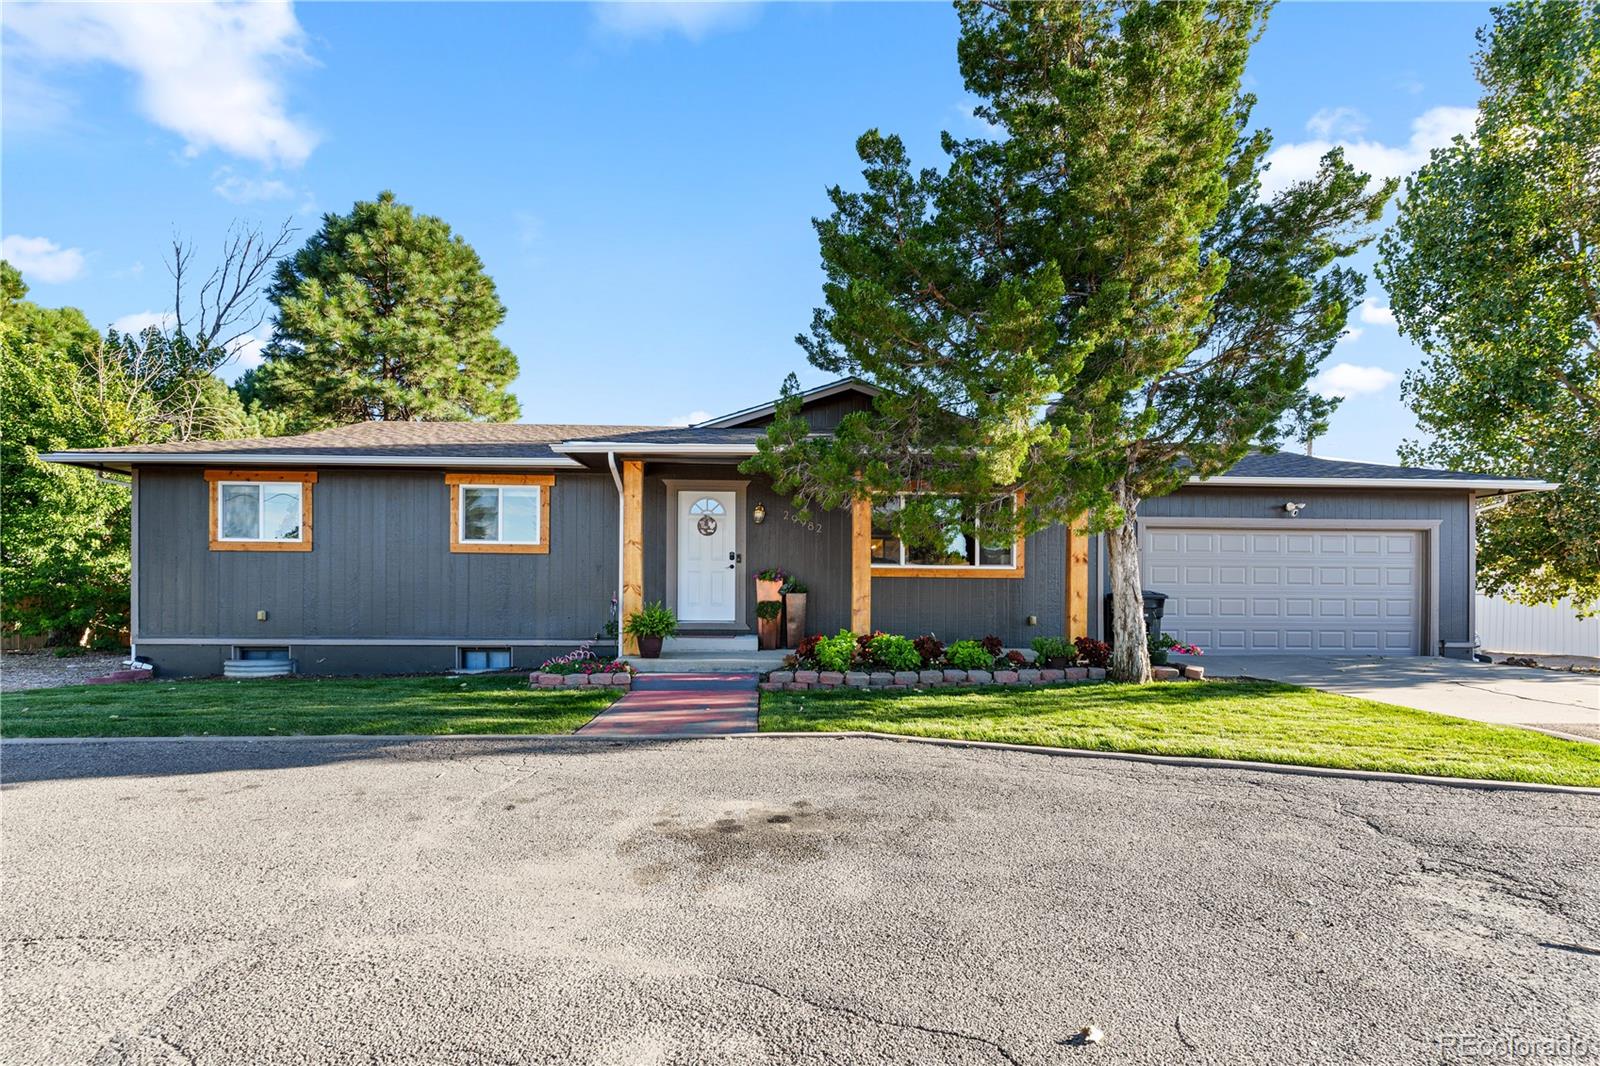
(420, 546)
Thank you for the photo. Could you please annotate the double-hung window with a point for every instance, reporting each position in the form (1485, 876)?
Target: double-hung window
(500, 512)
(953, 539)
(260, 510)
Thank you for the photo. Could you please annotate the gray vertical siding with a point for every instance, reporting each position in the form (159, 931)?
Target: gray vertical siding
(959, 608)
(380, 565)
(1451, 508)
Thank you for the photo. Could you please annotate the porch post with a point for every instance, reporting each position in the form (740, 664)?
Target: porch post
(632, 548)
(1077, 579)
(861, 565)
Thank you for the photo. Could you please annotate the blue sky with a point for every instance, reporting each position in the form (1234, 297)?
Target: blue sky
(638, 179)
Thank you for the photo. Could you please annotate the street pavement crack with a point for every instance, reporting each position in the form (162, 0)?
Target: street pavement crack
(852, 1012)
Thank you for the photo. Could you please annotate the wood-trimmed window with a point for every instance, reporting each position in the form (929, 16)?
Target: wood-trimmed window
(962, 553)
(260, 510)
(506, 513)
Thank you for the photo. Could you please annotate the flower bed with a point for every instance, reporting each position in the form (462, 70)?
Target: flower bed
(884, 660)
(582, 667)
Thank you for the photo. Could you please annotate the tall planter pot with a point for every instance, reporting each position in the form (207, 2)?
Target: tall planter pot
(794, 617)
(768, 590)
(769, 633)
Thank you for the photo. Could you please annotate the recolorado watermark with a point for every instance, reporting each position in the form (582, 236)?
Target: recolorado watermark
(1510, 1045)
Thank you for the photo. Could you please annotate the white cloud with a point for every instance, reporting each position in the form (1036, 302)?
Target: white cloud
(1351, 335)
(41, 259)
(140, 321)
(211, 72)
(1337, 122)
(652, 19)
(691, 418)
(1374, 314)
(1347, 379)
(238, 189)
(1432, 129)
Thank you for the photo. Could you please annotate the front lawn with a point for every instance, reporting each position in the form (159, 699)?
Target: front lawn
(495, 703)
(1254, 720)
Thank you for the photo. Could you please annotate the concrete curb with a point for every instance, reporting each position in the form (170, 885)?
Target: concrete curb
(990, 745)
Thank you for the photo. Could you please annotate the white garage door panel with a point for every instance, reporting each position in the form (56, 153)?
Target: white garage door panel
(1326, 592)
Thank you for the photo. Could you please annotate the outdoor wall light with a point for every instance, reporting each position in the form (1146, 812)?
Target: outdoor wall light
(1294, 509)
(759, 515)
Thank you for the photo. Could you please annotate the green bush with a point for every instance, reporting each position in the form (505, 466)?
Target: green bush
(834, 653)
(1054, 648)
(769, 609)
(968, 655)
(895, 653)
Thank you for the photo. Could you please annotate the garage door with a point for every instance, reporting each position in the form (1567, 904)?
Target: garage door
(1313, 591)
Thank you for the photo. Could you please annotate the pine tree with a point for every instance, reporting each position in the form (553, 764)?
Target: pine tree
(384, 314)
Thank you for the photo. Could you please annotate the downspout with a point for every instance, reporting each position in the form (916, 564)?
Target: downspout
(622, 506)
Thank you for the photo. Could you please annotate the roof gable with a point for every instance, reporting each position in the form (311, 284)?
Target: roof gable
(761, 413)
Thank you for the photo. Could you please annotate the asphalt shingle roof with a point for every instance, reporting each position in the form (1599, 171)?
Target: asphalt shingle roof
(1294, 465)
(518, 440)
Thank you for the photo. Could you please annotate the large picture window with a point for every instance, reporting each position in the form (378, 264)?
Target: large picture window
(960, 540)
(500, 512)
(260, 510)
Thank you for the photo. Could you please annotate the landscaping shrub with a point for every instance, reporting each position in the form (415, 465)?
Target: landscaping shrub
(1093, 652)
(1054, 648)
(1016, 658)
(968, 655)
(864, 647)
(806, 651)
(993, 645)
(769, 609)
(930, 650)
(895, 653)
(836, 652)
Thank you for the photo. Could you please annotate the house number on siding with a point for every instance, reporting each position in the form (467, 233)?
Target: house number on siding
(814, 527)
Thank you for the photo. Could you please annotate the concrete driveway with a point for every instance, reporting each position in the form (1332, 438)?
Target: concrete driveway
(1510, 695)
(758, 900)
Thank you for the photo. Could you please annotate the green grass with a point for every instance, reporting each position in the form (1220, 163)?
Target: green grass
(1254, 720)
(496, 703)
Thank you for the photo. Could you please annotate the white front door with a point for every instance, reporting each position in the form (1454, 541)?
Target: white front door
(707, 556)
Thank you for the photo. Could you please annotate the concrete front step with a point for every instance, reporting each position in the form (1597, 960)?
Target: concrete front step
(729, 662)
(697, 644)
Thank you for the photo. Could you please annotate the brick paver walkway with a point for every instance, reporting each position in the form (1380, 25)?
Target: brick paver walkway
(665, 704)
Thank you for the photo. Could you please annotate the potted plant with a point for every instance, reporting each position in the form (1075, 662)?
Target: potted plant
(649, 626)
(769, 614)
(1167, 644)
(794, 611)
(769, 583)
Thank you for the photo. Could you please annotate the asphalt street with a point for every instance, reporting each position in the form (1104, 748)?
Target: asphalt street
(774, 900)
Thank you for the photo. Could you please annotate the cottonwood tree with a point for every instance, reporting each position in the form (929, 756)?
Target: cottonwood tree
(165, 376)
(1091, 305)
(384, 314)
(1493, 267)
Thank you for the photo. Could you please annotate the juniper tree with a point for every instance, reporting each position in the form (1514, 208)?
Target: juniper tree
(1093, 303)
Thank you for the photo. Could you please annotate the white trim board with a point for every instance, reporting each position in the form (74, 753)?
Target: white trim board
(1428, 527)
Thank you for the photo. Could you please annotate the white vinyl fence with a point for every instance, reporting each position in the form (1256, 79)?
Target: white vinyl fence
(1516, 628)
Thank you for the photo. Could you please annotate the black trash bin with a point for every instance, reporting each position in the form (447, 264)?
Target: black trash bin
(1155, 608)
